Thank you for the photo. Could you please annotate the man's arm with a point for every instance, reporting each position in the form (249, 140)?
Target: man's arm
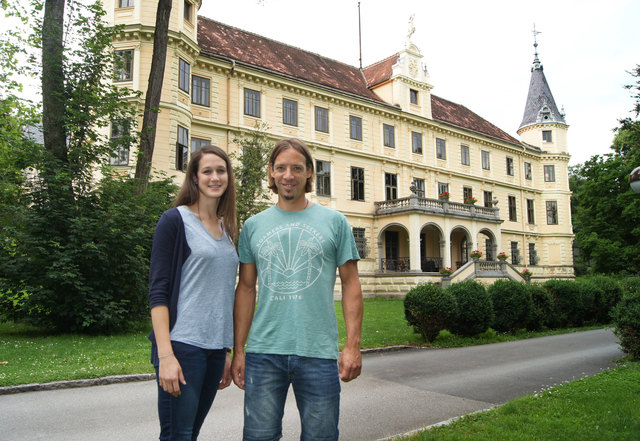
(350, 362)
(242, 316)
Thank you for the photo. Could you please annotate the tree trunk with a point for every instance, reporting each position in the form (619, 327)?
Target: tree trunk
(53, 109)
(154, 91)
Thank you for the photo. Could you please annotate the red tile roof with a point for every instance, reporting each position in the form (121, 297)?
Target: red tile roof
(219, 40)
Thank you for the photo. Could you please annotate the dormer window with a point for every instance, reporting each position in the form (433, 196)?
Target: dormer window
(413, 96)
(544, 114)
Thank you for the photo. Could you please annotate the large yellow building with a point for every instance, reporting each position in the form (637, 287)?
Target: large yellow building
(386, 149)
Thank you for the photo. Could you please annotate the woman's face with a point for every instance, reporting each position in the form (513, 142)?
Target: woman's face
(213, 177)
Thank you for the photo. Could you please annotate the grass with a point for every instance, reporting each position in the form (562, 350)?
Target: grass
(29, 355)
(605, 407)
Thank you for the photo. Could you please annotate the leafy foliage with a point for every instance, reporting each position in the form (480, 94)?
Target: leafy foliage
(608, 295)
(474, 313)
(569, 305)
(252, 195)
(542, 307)
(429, 309)
(512, 305)
(626, 318)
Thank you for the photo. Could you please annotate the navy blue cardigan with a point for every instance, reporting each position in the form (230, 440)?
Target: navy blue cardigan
(169, 252)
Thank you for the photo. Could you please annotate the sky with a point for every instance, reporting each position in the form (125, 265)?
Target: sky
(478, 53)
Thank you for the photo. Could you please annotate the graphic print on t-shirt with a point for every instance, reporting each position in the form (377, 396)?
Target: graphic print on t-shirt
(291, 258)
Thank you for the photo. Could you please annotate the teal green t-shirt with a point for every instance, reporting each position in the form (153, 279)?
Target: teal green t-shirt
(296, 254)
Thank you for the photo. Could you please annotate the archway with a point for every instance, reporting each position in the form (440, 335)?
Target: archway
(487, 244)
(393, 247)
(431, 243)
(461, 244)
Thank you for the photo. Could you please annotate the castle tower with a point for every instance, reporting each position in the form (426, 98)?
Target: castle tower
(543, 125)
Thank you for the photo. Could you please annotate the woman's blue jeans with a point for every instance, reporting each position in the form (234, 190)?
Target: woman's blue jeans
(316, 386)
(181, 417)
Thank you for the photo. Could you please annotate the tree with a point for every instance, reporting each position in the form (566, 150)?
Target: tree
(606, 212)
(74, 255)
(252, 195)
(154, 92)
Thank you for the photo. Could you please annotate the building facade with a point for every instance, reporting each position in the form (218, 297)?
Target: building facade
(423, 181)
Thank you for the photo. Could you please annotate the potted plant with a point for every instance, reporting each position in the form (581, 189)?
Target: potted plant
(470, 200)
(444, 196)
(446, 271)
(476, 254)
(502, 256)
(526, 274)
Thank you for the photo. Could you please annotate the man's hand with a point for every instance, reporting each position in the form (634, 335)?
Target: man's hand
(349, 364)
(237, 368)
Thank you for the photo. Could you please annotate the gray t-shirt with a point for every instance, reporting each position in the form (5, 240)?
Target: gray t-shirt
(207, 288)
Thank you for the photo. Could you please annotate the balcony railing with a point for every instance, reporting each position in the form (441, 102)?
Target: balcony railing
(436, 206)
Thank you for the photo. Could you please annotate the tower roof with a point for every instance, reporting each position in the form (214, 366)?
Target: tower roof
(540, 106)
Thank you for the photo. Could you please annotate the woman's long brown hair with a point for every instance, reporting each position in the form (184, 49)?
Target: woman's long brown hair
(189, 191)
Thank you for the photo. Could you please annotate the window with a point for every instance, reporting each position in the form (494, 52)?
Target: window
(322, 119)
(552, 213)
(488, 199)
(323, 178)
(361, 241)
(509, 166)
(513, 215)
(531, 217)
(418, 183)
(357, 184)
(355, 127)
(441, 149)
(196, 143)
(289, 112)
(464, 155)
(486, 160)
(533, 254)
(549, 173)
(188, 7)
(200, 90)
(124, 65)
(182, 149)
(389, 135)
(125, 3)
(120, 141)
(252, 103)
(416, 142)
(546, 136)
(391, 186)
(527, 170)
(515, 253)
(443, 188)
(184, 75)
(413, 96)
(467, 193)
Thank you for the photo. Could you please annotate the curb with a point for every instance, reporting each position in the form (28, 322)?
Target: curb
(115, 379)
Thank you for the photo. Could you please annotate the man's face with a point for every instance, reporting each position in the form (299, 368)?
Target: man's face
(290, 173)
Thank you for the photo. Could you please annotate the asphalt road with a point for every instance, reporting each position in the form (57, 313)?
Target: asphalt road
(398, 392)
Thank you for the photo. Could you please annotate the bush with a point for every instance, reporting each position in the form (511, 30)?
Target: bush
(608, 295)
(589, 292)
(630, 285)
(542, 313)
(512, 305)
(474, 312)
(626, 319)
(428, 308)
(85, 269)
(568, 305)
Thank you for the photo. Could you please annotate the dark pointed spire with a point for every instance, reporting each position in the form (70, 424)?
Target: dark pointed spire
(540, 106)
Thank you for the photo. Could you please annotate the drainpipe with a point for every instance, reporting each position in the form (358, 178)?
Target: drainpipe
(229, 75)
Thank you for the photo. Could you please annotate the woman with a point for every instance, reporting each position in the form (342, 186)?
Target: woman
(191, 294)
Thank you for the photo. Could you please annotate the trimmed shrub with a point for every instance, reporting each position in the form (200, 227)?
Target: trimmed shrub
(626, 319)
(630, 285)
(608, 295)
(542, 313)
(474, 312)
(567, 303)
(588, 292)
(512, 305)
(428, 308)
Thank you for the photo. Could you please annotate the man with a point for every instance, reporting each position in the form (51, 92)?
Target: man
(294, 248)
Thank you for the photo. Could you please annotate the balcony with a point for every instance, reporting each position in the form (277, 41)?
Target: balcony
(437, 207)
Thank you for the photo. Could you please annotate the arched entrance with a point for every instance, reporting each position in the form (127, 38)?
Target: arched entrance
(431, 243)
(460, 247)
(393, 247)
(487, 244)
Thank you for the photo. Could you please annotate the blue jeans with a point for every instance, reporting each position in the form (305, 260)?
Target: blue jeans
(316, 386)
(181, 417)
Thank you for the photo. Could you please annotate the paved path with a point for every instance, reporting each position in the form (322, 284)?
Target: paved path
(398, 392)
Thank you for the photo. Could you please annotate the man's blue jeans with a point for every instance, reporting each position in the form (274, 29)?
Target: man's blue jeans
(316, 386)
(181, 417)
